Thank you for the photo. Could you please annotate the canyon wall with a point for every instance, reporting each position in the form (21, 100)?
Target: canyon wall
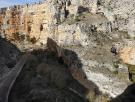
(92, 25)
(38, 21)
(47, 19)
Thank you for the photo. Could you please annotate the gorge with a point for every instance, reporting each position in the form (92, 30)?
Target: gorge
(77, 35)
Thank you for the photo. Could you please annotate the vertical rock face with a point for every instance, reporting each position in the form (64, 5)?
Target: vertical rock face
(91, 23)
(35, 21)
(39, 21)
(122, 13)
(128, 55)
(10, 21)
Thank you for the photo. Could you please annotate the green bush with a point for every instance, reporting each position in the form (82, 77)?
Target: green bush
(77, 19)
(116, 64)
(131, 70)
(115, 72)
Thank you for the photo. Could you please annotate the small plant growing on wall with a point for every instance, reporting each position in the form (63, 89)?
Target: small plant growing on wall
(18, 37)
(29, 29)
(116, 64)
(28, 38)
(77, 19)
(31, 40)
(131, 70)
(41, 27)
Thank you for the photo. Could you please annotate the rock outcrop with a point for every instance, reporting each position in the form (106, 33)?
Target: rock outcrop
(39, 21)
(42, 20)
(128, 55)
(57, 72)
(88, 27)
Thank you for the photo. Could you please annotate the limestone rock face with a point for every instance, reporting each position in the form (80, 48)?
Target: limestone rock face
(128, 55)
(39, 21)
(91, 25)
(121, 12)
(126, 51)
(102, 70)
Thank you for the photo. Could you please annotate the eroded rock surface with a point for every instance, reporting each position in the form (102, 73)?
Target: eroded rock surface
(88, 27)
(9, 54)
(50, 75)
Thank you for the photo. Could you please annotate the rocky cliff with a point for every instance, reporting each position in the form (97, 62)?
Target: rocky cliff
(88, 27)
(47, 19)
